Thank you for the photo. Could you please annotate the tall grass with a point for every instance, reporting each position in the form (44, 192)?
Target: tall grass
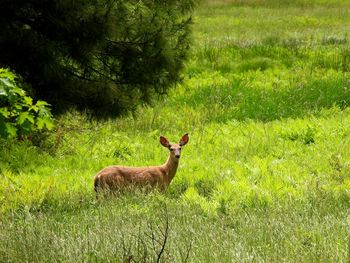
(137, 228)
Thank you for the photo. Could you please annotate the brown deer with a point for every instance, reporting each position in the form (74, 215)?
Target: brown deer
(116, 178)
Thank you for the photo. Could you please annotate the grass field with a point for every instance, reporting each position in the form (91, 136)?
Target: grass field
(264, 178)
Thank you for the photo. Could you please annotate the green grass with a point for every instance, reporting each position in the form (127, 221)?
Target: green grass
(135, 227)
(264, 178)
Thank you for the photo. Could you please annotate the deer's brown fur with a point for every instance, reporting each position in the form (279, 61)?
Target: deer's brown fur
(118, 177)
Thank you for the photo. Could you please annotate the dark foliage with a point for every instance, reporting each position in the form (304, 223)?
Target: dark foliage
(102, 55)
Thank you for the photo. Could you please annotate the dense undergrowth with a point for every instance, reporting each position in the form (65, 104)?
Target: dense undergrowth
(264, 178)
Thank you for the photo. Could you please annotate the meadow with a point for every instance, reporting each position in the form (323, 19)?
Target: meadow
(265, 176)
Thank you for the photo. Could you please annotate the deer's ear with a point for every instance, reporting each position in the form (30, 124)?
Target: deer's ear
(164, 141)
(184, 140)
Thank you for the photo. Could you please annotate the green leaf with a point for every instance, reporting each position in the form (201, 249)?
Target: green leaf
(34, 108)
(20, 116)
(5, 73)
(17, 108)
(45, 121)
(40, 123)
(23, 116)
(43, 111)
(48, 122)
(3, 91)
(27, 127)
(4, 82)
(41, 103)
(28, 100)
(11, 130)
(17, 91)
(4, 112)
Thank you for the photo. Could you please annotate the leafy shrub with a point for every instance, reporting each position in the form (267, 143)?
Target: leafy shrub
(19, 115)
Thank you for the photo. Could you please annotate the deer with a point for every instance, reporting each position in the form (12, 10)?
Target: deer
(116, 178)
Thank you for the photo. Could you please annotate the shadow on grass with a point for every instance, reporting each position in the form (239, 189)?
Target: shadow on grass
(271, 99)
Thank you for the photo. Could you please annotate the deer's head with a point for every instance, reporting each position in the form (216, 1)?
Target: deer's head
(175, 148)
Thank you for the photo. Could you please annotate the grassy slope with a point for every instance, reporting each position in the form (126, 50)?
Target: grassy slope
(266, 175)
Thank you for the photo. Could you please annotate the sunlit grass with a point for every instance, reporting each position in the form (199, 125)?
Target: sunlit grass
(134, 227)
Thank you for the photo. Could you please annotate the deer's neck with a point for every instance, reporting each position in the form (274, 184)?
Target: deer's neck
(171, 167)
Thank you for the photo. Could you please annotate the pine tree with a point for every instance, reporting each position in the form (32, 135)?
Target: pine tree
(106, 56)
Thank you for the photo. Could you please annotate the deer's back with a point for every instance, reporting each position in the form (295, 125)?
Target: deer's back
(115, 176)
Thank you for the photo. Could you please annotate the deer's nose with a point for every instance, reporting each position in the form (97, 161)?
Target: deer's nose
(177, 156)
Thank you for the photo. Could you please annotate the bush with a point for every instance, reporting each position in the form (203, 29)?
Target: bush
(19, 115)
